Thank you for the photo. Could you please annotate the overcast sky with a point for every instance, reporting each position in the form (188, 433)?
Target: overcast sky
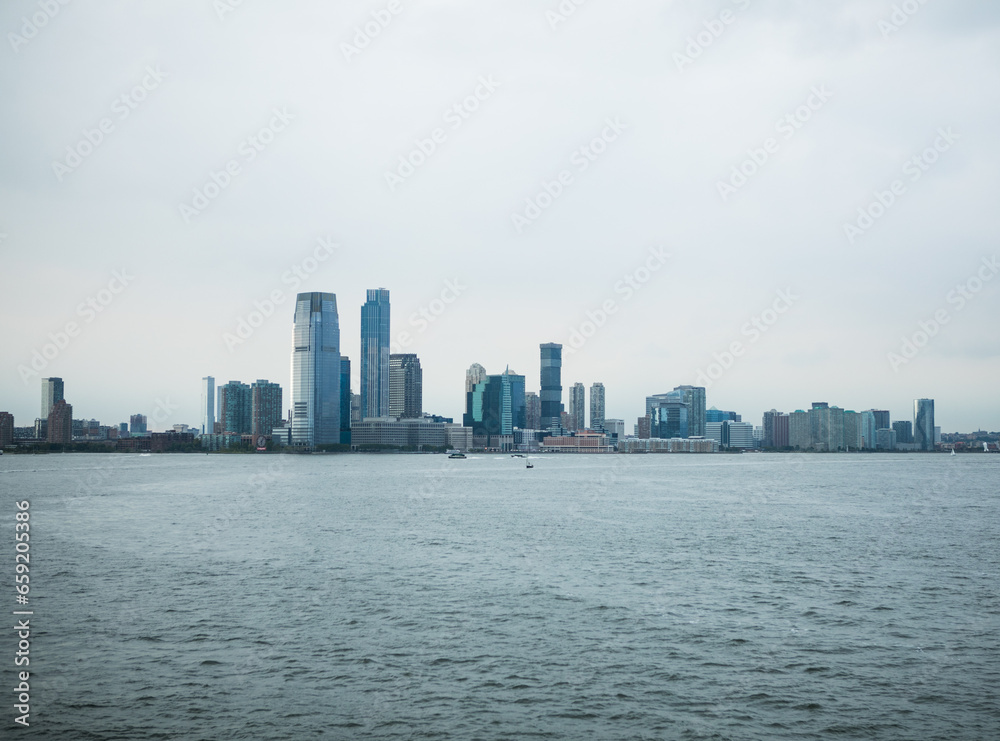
(676, 95)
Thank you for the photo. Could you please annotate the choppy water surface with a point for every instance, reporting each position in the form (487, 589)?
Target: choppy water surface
(399, 597)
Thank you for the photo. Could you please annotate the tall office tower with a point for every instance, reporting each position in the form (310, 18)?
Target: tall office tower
(551, 386)
(60, 427)
(137, 425)
(52, 391)
(375, 354)
(881, 419)
(694, 397)
(768, 423)
(346, 410)
(6, 429)
(475, 374)
(316, 370)
(236, 408)
(406, 384)
(532, 411)
(671, 419)
(597, 407)
(577, 407)
(923, 423)
(904, 431)
(207, 405)
(265, 407)
(497, 405)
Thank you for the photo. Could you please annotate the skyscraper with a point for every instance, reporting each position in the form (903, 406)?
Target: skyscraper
(375, 354)
(597, 407)
(532, 411)
(316, 371)
(496, 405)
(694, 397)
(475, 374)
(207, 405)
(60, 427)
(577, 407)
(406, 383)
(345, 400)
(923, 423)
(236, 408)
(265, 407)
(52, 391)
(551, 386)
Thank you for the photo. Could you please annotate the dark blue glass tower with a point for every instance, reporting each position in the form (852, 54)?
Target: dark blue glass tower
(551, 386)
(375, 354)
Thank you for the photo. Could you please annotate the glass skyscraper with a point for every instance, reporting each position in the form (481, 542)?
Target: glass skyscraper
(551, 386)
(345, 400)
(375, 354)
(694, 397)
(316, 370)
(207, 405)
(923, 423)
(496, 405)
(52, 391)
(577, 407)
(406, 384)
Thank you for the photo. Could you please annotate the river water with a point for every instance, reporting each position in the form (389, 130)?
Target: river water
(417, 597)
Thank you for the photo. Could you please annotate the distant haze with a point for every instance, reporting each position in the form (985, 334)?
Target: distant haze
(686, 175)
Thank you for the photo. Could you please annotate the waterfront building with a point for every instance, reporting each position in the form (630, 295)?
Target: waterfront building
(923, 424)
(586, 441)
(868, 430)
(643, 427)
(885, 439)
(346, 399)
(52, 391)
(236, 408)
(853, 439)
(496, 405)
(316, 371)
(551, 385)
(266, 410)
(60, 423)
(207, 405)
(375, 354)
(137, 425)
(670, 419)
(532, 411)
(904, 432)
(577, 408)
(405, 386)
(614, 429)
(6, 429)
(694, 397)
(677, 445)
(597, 407)
(410, 434)
(882, 421)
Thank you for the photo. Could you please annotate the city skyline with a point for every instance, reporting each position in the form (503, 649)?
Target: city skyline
(822, 200)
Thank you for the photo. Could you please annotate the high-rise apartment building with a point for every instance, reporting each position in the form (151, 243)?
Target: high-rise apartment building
(551, 385)
(869, 431)
(60, 427)
(52, 391)
(316, 371)
(375, 354)
(207, 405)
(643, 428)
(577, 407)
(236, 409)
(882, 421)
(923, 424)
(266, 410)
(6, 429)
(597, 407)
(532, 411)
(406, 384)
